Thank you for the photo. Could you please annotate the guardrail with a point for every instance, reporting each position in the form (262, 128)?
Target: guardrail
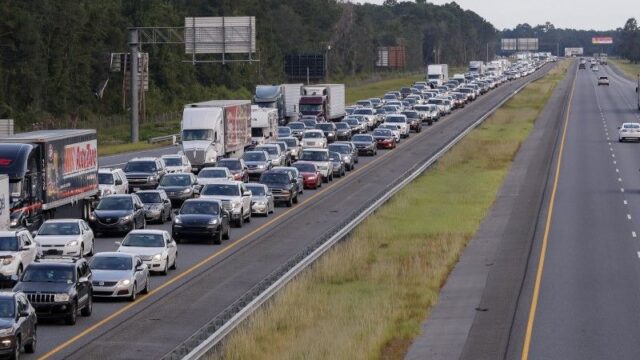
(214, 331)
(159, 139)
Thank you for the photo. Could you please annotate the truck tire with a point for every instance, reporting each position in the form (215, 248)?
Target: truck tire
(88, 308)
(217, 238)
(70, 319)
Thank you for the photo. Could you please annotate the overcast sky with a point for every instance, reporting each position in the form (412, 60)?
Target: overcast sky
(583, 14)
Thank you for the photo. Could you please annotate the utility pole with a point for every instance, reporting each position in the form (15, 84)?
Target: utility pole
(487, 53)
(135, 85)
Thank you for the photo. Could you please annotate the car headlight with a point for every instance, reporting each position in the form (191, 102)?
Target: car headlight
(152, 178)
(106, 192)
(92, 216)
(177, 220)
(7, 260)
(213, 222)
(157, 257)
(212, 159)
(128, 217)
(186, 191)
(6, 331)
(124, 282)
(14, 222)
(72, 243)
(347, 158)
(261, 203)
(236, 205)
(261, 166)
(61, 297)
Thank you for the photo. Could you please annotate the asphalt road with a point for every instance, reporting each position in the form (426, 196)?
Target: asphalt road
(210, 277)
(589, 299)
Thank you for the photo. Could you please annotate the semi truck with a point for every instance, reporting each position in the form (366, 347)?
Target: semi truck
(285, 98)
(5, 203)
(264, 124)
(324, 101)
(438, 74)
(48, 170)
(215, 129)
(476, 67)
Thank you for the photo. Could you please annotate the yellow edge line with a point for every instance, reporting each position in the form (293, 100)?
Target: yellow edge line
(545, 240)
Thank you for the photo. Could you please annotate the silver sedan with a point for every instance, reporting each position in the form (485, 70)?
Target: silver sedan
(118, 275)
(261, 199)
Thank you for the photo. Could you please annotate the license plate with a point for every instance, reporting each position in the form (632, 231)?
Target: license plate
(136, 189)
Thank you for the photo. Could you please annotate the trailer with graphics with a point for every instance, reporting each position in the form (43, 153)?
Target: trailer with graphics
(47, 170)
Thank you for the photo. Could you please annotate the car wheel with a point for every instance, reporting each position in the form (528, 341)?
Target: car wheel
(249, 217)
(325, 179)
(16, 349)
(161, 218)
(295, 199)
(147, 286)
(19, 271)
(175, 263)
(240, 220)
(290, 202)
(92, 249)
(226, 236)
(144, 223)
(70, 319)
(134, 292)
(88, 309)
(30, 348)
(165, 271)
(177, 239)
(217, 238)
(344, 172)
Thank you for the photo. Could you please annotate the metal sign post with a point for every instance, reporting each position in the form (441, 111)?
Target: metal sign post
(135, 110)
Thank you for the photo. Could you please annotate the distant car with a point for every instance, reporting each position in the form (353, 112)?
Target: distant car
(157, 205)
(314, 139)
(595, 68)
(337, 163)
(282, 185)
(343, 131)
(179, 186)
(235, 199)
(365, 144)
(201, 218)
(284, 149)
(629, 131)
(156, 248)
(309, 122)
(284, 131)
(354, 124)
(320, 157)
(582, 66)
(176, 163)
(257, 162)
(119, 274)
(214, 175)
(297, 128)
(329, 130)
(384, 138)
(415, 122)
(237, 167)
(276, 155)
(65, 237)
(293, 144)
(118, 213)
(295, 174)
(346, 153)
(144, 173)
(19, 325)
(112, 181)
(261, 199)
(603, 80)
(395, 130)
(58, 288)
(401, 120)
(17, 251)
(311, 176)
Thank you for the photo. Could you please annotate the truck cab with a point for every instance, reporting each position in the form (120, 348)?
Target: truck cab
(314, 102)
(270, 97)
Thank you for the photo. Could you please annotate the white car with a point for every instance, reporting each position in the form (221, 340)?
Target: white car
(156, 248)
(17, 251)
(314, 139)
(629, 131)
(235, 198)
(118, 274)
(603, 80)
(395, 130)
(112, 181)
(176, 163)
(399, 120)
(65, 237)
(320, 157)
(214, 175)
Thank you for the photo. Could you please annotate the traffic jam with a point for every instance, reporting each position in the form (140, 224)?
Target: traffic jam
(236, 160)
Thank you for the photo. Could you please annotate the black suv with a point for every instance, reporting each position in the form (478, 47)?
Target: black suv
(144, 173)
(118, 213)
(283, 186)
(58, 288)
(18, 322)
(201, 218)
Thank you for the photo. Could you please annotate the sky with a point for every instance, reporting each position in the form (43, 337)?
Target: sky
(582, 14)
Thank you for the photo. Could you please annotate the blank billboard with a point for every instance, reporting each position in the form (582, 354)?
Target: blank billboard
(298, 66)
(220, 35)
(509, 44)
(527, 44)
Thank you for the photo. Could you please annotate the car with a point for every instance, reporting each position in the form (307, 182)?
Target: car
(309, 122)
(354, 124)
(395, 130)
(156, 248)
(314, 139)
(401, 120)
(364, 103)
(262, 202)
(603, 80)
(350, 109)
(629, 131)
(415, 122)
(18, 325)
(257, 162)
(237, 167)
(329, 130)
(346, 153)
(595, 68)
(311, 176)
(282, 185)
(118, 213)
(384, 138)
(337, 163)
(144, 173)
(320, 157)
(234, 197)
(284, 148)
(295, 174)
(582, 66)
(284, 131)
(17, 251)
(179, 186)
(428, 113)
(157, 205)
(65, 237)
(343, 131)
(354, 150)
(276, 155)
(365, 144)
(112, 181)
(58, 288)
(293, 146)
(119, 275)
(213, 175)
(201, 218)
(177, 163)
(297, 128)
(369, 115)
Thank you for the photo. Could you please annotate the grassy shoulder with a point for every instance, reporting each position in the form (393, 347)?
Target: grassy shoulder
(631, 70)
(367, 297)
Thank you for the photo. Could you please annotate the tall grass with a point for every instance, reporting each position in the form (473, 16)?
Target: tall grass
(366, 298)
(631, 70)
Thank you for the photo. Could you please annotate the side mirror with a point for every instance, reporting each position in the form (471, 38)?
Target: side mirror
(34, 233)
(140, 268)
(118, 182)
(118, 243)
(246, 193)
(23, 314)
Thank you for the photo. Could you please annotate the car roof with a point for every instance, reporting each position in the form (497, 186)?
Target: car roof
(226, 182)
(147, 231)
(215, 168)
(150, 191)
(108, 170)
(255, 184)
(63, 220)
(10, 232)
(114, 253)
(316, 150)
(229, 159)
(201, 199)
(119, 195)
(145, 158)
(171, 156)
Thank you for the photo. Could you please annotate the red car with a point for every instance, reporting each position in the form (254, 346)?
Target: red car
(312, 178)
(384, 139)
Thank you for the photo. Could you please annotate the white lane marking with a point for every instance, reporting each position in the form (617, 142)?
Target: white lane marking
(617, 170)
(610, 149)
(619, 179)
(639, 254)
(625, 202)
(633, 233)
(613, 155)
(628, 216)
(621, 189)
(614, 162)
(609, 144)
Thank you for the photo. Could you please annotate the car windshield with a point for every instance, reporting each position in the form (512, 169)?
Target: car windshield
(105, 179)
(334, 156)
(149, 197)
(436, 101)
(314, 156)
(7, 308)
(411, 114)
(111, 263)
(256, 190)
(175, 180)
(364, 112)
(8, 243)
(365, 138)
(310, 108)
(52, 274)
(631, 126)
(212, 173)
(284, 131)
(254, 156)
(325, 126)
(174, 161)
(313, 135)
(309, 123)
(291, 142)
(342, 126)
(274, 178)
(421, 108)
(59, 228)
(271, 150)
(197, 134)
(115, 203)
(140, 166)
(200, 208)
(382, 132)
(220, 190)
(342, 149)
(363, 103)
(352, 122)
(302, 167)
(296, 125)
(230, 164)
(395, 119)
(143, 240)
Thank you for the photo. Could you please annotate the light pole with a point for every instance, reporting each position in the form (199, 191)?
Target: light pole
(326, 63)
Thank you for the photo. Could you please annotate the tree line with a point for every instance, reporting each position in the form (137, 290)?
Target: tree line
(629, 46)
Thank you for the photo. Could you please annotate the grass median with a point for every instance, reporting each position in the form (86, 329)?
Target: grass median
(366, 298)
(631, 70)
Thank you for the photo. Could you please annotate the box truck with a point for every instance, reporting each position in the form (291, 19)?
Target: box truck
(215, 129)
(438, 74)
(4, 203)
(284, 98)
(324, 101)
(47, 170)
(264, 125)
(476, 67)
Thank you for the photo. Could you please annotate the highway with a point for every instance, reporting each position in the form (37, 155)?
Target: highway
(581, 298)
(211, 277)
